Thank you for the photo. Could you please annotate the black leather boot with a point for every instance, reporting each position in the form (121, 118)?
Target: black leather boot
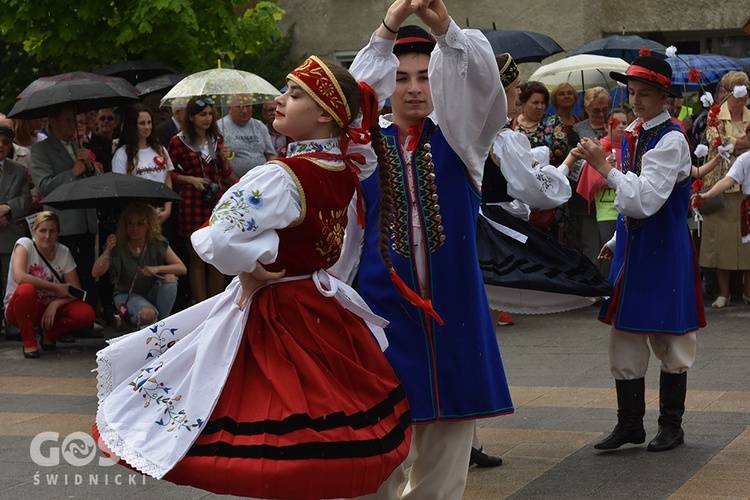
(672, 390)
(481, 459)
(631, 406)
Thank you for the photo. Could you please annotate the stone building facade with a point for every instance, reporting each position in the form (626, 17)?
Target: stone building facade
(339, 28)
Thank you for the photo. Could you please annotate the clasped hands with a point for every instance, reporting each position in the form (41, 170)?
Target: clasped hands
(592, 152)
(252, 281)
(432, 12)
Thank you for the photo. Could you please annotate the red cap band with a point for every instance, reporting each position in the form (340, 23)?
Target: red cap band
(647, 74)
(413, 39)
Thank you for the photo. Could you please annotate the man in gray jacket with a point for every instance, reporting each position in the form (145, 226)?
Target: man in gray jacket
(56, 161)
(15, 200)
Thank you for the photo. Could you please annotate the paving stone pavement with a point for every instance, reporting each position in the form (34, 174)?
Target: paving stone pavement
(565, 401)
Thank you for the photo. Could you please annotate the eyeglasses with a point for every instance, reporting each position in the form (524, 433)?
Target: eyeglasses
(108, 118)
(204, 102)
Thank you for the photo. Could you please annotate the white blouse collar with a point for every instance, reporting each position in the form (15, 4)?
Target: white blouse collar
(313, 146)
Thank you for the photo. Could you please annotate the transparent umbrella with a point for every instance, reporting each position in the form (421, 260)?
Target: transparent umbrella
(222, 84)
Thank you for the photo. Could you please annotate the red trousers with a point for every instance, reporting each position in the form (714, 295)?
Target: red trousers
(25, 312)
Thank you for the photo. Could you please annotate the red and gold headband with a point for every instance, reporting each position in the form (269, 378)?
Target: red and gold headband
(317, 80)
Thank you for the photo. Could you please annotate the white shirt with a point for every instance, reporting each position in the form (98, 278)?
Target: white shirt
(641, 196)
(740, 171)
(244, 222)
(531, 179)
(63, 263)
(469, 105)
(147, 165)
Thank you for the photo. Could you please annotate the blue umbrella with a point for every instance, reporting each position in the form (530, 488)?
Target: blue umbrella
(711, 66)
(625, 47)
(524, 46)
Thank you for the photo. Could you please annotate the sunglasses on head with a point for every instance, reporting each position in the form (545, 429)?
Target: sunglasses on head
(204, 102)
(106, 118)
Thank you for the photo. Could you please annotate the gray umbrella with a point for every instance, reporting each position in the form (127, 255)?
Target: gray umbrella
(626, 47)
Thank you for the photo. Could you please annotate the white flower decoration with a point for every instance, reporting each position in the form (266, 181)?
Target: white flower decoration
(701, 151)
(739, 91)
(707, 100)
(671, 51)
(724, 151)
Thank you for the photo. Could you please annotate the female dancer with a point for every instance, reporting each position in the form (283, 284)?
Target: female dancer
(287, 395)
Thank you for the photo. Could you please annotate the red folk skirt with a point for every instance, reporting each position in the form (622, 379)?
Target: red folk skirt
(311, 408)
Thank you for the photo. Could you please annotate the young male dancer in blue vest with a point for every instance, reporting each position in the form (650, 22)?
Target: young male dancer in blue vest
(448, 104)
(657, 296)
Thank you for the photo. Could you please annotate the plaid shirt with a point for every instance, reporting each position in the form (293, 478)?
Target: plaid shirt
(194, 210)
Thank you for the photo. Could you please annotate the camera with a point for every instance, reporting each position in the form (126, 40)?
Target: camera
(212, 189)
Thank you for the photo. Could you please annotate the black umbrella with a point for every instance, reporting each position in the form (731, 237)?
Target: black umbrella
(625, 47)
(136, 71)
(524, 46)
(160, 83)
(107, 190)
(82, 91)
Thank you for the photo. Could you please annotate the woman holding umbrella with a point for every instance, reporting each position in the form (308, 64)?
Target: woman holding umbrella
(140, 153)
(200, 167)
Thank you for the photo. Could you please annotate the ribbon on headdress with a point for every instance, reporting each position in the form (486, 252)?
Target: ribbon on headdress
(647, 74)
(317, 80)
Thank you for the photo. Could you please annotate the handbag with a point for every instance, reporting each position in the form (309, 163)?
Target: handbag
(122, 307)
(713, 204)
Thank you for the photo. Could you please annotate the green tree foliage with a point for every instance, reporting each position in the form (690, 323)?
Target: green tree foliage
(186, 34)
(18, 70)
(274, 63)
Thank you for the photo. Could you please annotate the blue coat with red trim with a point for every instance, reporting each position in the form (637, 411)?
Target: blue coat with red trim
(655, 268)
(454, 371)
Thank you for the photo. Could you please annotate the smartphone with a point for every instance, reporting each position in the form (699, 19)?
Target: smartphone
(76, 292)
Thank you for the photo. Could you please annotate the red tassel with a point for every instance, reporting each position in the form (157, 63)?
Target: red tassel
(416, 300)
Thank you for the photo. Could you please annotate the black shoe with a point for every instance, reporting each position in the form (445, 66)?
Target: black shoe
(667, 438)
(49, 347)
(631, 406)
(672, 391)
(481, 459)
(622, 435)
(31, 355)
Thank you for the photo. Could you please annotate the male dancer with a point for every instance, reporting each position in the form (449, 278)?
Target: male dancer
(450, 366)
(657, 297)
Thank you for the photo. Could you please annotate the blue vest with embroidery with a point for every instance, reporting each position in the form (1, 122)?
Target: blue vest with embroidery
(450, 372)
(654, 269)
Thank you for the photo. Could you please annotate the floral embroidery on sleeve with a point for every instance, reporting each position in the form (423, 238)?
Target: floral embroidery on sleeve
(233, 211)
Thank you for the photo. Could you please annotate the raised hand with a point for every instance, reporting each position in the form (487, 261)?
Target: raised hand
(395, 16)
(434, 14)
